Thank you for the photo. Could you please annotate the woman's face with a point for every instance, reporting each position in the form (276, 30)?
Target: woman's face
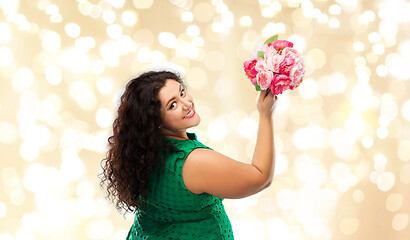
(178, 109)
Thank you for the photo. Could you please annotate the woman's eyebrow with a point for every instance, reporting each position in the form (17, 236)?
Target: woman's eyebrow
(173, 98)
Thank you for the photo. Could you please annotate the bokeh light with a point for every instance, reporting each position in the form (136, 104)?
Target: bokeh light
(342, 138)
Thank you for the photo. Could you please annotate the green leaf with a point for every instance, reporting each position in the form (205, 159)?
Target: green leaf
(271, 39)
(257, 87)
(261, 54)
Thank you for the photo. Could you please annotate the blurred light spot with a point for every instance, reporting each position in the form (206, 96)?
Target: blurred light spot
(72, 30)
(126, 44)
(198, 41)
(114, 30)
(386, 181)
(97, 66)
(82, 93)
(248, 127)
(281, 164)
(217, 129)
(187, 16)
(395, 10)
(142, 4)
(23, 79)
(3, 209)
(72, 167)
(374, 37)
(273, 28)
(382, 132)
(116, 3)
(361, 96)
(8, 133)
(84, 44)
(168, 39)
(382, 70)
(109, 16)
(398, 66)
(309, 137)
(378, 48)
(105, 85)
(334, 22)
(367, 142)
(380, 162)
(103, 117)
(405, 110)
(193, 30)
(358, 196)
(85, 7)
(267, 12)
(5, 236)
(348, 226)
(6, 56)
(404, 174)
(309, 89)
(277, 228)
(144, 54)
(129, 18)
(99, 229)
(246, 21)
(400, 221)
(109, 51)
(96, 11)
(394, 202)
(335, 9)
(54, 75)
(318, 56)
(203, 12)
(75, 60)
(85, 207)
(215, 60)
(299, 42)
(341, 143)
(50, 41)
(404, 150)
(358, 46)
(5, 33)
(286, 199)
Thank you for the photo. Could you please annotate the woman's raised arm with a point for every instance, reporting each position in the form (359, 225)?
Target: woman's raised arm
(208, 171)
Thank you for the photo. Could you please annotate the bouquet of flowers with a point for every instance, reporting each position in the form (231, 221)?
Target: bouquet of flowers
(275, 66)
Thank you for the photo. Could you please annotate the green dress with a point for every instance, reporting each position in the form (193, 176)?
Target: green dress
(173, 212)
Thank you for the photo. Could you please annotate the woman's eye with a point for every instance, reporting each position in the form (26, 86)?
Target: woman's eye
(183, 92)
(172, 105)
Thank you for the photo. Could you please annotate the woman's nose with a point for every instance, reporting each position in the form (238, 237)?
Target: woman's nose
(187, 104)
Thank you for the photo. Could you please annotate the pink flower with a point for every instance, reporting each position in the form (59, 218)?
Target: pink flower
(290, 58)
(280, 83)
(273, 62)
(249, 67)
(261, 65)
(264, 79)
(297, 72)
(280, 44)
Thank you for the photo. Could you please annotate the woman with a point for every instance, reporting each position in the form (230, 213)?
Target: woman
(174, 183)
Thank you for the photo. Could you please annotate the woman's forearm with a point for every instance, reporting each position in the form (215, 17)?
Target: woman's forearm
(264, 154)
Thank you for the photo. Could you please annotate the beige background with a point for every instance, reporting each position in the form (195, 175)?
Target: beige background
(342, 137)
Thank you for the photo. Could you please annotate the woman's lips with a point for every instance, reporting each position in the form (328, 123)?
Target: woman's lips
(190, 114)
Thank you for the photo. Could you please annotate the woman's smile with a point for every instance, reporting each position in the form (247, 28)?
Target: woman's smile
(190, 114)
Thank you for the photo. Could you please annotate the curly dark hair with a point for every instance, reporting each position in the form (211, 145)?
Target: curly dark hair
(134, 147)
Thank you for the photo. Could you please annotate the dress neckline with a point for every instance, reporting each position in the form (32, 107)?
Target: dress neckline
(191, 136)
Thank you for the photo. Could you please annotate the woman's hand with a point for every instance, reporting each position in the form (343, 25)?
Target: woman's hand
(266, 103)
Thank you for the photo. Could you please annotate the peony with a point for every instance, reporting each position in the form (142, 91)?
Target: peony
(281, 44)
(249, 67)
(290, 58)
(264, 79)
(273, 61)
(280, 83)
